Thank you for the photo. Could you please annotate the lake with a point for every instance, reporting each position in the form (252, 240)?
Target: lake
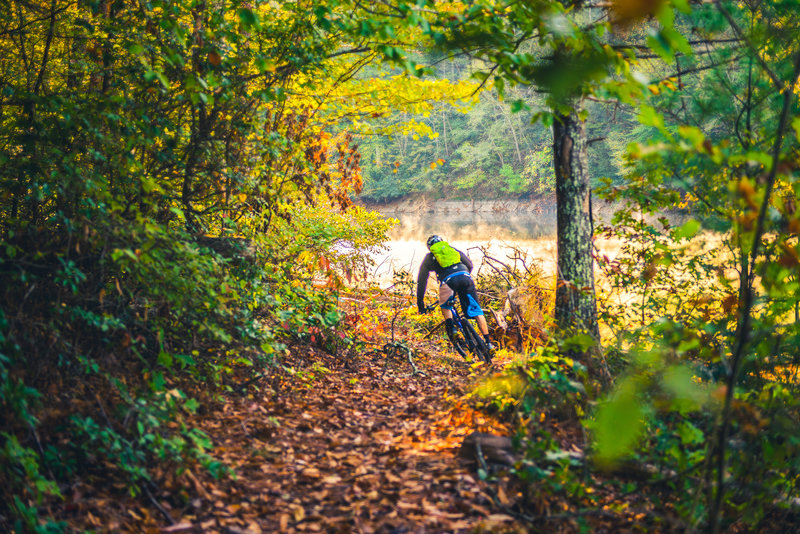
(533, 232)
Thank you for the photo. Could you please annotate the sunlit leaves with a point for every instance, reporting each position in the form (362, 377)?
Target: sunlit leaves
(248, 18)
(650, 117)
(687, 230)
(653, 385)
(619, 423)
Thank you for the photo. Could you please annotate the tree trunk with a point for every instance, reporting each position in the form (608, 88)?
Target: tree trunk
(506, 115)
(576, 309)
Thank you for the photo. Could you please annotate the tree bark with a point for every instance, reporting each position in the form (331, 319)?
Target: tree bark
(575, 308)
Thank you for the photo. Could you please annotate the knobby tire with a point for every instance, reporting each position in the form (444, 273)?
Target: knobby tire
(459, 345)
(476, 342)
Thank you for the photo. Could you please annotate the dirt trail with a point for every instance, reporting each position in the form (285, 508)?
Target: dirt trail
(362, 447)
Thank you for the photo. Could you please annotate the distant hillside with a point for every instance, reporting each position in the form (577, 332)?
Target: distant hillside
(489, 152)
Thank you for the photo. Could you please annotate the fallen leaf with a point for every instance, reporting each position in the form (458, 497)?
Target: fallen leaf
(310, 472)
(178, 527)
(502, 518)
(299, 513)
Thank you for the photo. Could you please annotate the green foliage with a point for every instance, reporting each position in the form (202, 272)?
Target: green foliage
(706, 328)
(660, 380)
(539, 170)
(25, 485)
(143, 438)
(555, 384)
(484, 151)
(346, 242)
(157, 186)
(543, 393)
(514, 182)
(133, 304)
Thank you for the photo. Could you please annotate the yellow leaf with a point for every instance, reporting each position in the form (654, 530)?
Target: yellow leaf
(242, 197)
(299, 513)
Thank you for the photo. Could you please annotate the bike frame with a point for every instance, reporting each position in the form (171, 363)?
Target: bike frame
(475, 344)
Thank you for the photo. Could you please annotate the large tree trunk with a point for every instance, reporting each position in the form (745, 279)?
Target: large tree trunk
(576, 308)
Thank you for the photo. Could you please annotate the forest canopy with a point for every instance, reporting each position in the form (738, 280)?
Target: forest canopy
(176, 213)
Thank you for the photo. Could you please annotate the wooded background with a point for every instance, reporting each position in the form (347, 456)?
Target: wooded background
(175, 213)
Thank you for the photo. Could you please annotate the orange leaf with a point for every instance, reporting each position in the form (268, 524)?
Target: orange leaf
(299, 513)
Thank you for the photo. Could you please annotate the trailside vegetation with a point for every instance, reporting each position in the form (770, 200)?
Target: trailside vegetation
(176, 219)
(174, 211)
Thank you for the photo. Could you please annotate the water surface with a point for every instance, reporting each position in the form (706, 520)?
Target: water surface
(497, 232)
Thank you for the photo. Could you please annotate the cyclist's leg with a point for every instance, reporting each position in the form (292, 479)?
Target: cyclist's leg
(468, 296)
(446, 305)
(484, 328)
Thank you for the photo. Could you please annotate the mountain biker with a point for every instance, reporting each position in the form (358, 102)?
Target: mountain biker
(452, 268)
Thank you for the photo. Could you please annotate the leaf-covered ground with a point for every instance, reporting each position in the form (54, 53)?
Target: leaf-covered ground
(365, 446)
(358, 441)
(364, 443)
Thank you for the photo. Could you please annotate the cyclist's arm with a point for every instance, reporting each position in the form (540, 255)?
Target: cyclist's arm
(422, 282)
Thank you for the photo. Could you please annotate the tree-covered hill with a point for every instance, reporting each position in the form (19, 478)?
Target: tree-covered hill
(181, 265)
(484, 148)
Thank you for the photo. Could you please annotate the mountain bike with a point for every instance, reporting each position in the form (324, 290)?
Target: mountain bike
(465, 339)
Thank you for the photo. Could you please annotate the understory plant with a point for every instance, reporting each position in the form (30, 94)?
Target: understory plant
(136, 327)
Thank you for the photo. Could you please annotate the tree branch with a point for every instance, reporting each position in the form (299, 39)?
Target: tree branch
(743, 327)
(738, 31)
(46, 52)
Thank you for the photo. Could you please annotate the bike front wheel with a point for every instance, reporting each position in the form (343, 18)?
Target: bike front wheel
(459, 345)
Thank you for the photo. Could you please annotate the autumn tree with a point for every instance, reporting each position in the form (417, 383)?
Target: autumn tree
(567, 57)
(158, 163)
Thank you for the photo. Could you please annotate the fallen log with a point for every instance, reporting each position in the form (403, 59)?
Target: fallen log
(494, 449)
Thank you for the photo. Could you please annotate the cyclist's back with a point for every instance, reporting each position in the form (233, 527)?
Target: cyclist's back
(431, 263)
(452, 268)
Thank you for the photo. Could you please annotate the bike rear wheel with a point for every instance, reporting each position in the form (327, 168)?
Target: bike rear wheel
(476, 342)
